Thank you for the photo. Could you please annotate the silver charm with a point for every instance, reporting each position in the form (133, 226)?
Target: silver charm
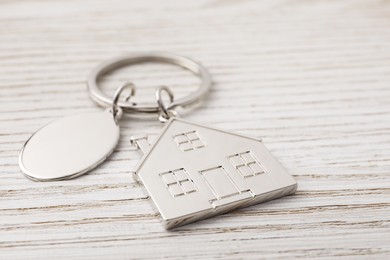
(193, 171)
(73, 145)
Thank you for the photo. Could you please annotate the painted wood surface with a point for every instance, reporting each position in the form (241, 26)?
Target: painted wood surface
(312, 78)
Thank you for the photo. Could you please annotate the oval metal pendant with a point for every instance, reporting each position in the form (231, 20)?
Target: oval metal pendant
(69, 147)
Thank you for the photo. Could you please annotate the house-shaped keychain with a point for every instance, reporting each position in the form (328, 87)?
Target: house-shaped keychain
(193, 172)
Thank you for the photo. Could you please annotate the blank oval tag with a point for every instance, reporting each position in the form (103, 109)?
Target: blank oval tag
(69, 147)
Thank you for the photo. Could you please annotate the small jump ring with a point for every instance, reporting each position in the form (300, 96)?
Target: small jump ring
(165, 111)
(115, 107)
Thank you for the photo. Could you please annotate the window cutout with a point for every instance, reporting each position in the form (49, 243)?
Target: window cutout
(245, 171)
(168, 179)
(175, 189)
(246, 164)
(189, 141)
(178, 182)
(187, 186)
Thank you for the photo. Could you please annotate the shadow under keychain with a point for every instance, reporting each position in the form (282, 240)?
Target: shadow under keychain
(191, 171)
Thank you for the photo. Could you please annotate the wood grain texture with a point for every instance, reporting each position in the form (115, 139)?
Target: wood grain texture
(310, 77)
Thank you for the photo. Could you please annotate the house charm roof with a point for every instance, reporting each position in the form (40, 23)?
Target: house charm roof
(193, 172)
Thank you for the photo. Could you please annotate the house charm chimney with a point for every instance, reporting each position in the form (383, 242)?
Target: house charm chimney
(141, 141)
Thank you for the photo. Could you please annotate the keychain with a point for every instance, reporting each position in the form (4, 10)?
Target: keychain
(191, 171)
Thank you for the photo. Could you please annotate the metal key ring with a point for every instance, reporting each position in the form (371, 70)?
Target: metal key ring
(145, 109)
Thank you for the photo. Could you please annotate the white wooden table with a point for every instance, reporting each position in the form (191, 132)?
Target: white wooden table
(310, 77)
